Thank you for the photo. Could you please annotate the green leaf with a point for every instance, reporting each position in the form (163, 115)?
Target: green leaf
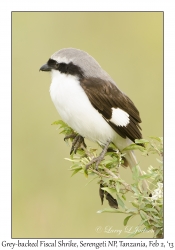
(124, 197)
(120, 202)
(80, 152)
(59, 122)
(144, 222)
(107, 162)
(85, 172)
(136, 173)
(72, 160)
(75, 166)
(126, 220)
(135, 189)
(158, 225)
(140, 198)
(148, 206)
(143, 215)
(157, 231)
(110, 210)
(132, 210)
(109, 190)
(134, 147)
(135, 204)
(76, 171)
(151, 210)
(117, 186)
(141, 141)
(142, 205)
(160, 139)
(140, 186)
(145, 176)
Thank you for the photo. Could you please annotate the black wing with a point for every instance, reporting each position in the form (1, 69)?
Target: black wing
(104, 96)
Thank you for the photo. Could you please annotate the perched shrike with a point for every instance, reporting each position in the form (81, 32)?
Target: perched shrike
(90, 102)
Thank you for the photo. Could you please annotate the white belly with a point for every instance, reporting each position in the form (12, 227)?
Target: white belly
(76, 110)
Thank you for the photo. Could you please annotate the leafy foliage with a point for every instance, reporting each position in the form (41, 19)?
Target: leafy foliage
(147, 203)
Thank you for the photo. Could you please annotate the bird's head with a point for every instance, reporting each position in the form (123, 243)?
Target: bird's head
(75, 62)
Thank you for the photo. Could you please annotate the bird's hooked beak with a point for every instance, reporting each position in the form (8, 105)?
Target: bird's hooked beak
(45, 67)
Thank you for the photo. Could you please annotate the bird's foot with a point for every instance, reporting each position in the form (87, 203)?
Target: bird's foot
(78, 140)
(71, 136)
(98, 159)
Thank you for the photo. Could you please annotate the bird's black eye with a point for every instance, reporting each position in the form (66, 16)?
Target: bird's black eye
(56, 65)
(63, 68)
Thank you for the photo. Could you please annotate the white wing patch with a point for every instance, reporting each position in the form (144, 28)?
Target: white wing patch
(119, 117)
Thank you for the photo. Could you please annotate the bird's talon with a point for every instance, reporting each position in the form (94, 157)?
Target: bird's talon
(77, 141)
(71, 136)
(98, 160)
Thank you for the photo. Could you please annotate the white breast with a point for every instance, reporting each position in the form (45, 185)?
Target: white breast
(76, 110)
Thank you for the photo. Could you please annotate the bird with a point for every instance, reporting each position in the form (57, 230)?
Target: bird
(90, 102)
